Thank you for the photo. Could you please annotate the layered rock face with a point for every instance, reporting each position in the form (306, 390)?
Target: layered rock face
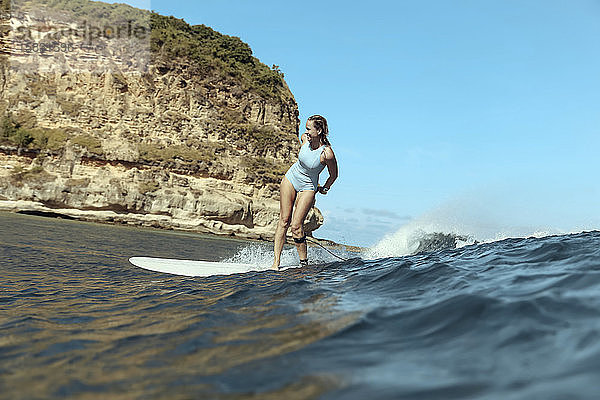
(180, 143)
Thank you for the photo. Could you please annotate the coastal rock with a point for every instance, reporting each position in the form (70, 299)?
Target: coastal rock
(179, 145)
(147, 197)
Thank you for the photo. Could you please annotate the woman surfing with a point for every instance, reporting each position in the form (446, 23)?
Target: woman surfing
(301, 183)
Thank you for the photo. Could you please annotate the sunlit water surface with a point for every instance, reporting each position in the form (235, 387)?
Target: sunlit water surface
(514, 319)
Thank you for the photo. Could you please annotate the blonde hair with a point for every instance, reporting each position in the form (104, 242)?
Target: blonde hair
(321, 125)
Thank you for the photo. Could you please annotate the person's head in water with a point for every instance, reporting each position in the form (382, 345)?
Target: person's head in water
(320, 124)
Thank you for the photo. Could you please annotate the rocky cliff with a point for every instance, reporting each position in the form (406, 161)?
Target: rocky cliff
(177, 127)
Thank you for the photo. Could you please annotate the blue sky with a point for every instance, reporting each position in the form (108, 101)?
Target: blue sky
(458, 110)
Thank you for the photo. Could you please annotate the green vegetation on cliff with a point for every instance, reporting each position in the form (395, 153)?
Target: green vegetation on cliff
(12, 132)
(88, 142)
(212, 51)
(15, 132)
(171, 38)
(34, 175)
(263, 170)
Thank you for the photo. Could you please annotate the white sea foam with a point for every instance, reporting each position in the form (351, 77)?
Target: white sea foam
(262, 256)
(471, 225)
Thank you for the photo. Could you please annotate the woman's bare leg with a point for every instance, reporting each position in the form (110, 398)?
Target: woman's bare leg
(287, 196)
(306, 200)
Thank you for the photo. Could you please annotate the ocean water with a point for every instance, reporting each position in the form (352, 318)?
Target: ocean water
(510, 319)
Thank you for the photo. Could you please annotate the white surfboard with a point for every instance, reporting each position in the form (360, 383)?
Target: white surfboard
(197, 268)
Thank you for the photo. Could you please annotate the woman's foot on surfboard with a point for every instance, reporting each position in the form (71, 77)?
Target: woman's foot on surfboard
(275, 267)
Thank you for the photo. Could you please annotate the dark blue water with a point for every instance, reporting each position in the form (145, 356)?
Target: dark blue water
(515, 319)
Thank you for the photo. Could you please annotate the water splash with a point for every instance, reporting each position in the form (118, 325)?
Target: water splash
(256, 254)
(454, 225)
(262, 256)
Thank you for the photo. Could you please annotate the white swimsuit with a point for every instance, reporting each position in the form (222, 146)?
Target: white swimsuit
(304, 173)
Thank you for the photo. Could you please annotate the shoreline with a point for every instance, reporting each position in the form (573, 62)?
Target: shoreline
(152, 221)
